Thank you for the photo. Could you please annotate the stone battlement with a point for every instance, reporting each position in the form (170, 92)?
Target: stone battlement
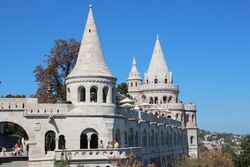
(159, 86)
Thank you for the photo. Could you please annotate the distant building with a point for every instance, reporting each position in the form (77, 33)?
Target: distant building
(158, 129)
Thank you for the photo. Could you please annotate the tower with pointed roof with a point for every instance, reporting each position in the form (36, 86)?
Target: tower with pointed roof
(134, 81)
(90, 81)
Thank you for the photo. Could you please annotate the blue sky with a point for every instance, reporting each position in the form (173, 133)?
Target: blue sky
(206, 45)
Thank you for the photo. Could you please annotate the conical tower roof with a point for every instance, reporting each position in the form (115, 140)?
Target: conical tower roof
(158, 63)
(90, 61)
(134, 73)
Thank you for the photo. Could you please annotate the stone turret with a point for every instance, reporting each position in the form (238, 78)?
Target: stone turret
(90, 81)
(134, 81)
(158, 71)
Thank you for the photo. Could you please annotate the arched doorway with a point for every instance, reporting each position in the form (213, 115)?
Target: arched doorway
(61, 142)
(94, 141)
(12, 133)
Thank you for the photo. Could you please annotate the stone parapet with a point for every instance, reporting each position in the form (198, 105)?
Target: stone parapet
(159, 87)
(16, 103)
(190, 107)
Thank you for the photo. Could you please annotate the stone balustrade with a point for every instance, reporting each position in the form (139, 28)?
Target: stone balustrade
(98, 154)
(159, 86)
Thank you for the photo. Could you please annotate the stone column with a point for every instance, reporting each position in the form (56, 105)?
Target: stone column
(87, 91)
(88, 138)
(109, 95)
(56, 140)
(99, 95)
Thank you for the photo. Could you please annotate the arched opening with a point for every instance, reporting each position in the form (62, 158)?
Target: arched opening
(12, 134)
(136, 139)
(156, 80)
(151, 100)
(131, 137)
(156, 100)
(125, 139)
(166, 80)
(143, 97)
(83, 141)
(169, 117)
(193, 118)
(118, 136)
(164, 99)
(94, 141)
(50, 141)
(82, 94)
(147, 81)
(61, 142)
(131, 84)
(105, 94)
(191, 139)
(93, 94)
(113, 95)
(170, 99)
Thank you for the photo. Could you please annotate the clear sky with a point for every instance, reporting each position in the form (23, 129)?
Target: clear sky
(206, 45)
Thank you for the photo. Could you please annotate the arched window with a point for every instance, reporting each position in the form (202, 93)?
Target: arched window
(147, 81)
(61, 142)
(177, 116)
(136, 139)
(191, 139)
(50, 141)
(93, 94)
(125, 139)
(187, 116)
(131, 137)
(135, 84)
(152, 138)
(162, 138)
(82, 94)
(105, 94)
(143, 98)
(84, 141)
(131, 84)
(166, 80)
(193, 118)
(113, 95)
(169, 117)
(156, 80)
(170, 99)
(156, 100)
(94, 141)
(164, 99)
(144, 138)
(151, 100)
(118, 136)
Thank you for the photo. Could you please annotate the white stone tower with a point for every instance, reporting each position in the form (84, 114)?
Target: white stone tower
(134, 81)
(90, 82)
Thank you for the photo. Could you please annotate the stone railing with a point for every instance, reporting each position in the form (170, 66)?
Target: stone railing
(98, 154)
(159, 86)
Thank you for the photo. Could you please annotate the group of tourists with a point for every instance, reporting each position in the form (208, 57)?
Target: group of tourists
(17, 149)
(110, 144)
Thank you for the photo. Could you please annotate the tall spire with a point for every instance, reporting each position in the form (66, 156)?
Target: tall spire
(158, 62)
(90, 61)
(134, 73)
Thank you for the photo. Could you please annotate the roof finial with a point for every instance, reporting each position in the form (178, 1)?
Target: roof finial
(157, 36)
(90, 6)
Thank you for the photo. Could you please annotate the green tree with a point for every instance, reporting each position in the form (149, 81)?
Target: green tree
(59, 63)
(14, 96)
(207, 159)
(244, 159)
(122, 88)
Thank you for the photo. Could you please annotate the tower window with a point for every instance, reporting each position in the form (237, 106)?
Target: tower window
(89, 30)
(82, 94)
(104, 94)
(131, 84)
(93, 94)
(156, 80)
(147, 81)
(191, 139)
(166, 80)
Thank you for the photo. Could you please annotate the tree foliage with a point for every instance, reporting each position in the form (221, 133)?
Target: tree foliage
(244, 159)
(51, 79)
(122, 88)
(208, 159)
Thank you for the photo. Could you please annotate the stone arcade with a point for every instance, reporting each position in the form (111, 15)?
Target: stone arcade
(158, 129)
